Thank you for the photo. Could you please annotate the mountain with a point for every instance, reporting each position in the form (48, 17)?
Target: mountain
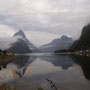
(22, 44)
(58, 44)
(84, 41)
(19, 47)
(20, 33)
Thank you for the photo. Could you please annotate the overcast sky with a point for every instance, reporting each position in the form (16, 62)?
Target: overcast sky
(43, 20)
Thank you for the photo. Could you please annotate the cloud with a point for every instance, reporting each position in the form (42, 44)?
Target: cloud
(6, 42)
(6, 31)
(40, 38)
(44, 17)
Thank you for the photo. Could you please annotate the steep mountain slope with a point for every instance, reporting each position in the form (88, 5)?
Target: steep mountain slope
(58, 44)
(84, 41)
(20, 33)
(19, 47)
(22, 44)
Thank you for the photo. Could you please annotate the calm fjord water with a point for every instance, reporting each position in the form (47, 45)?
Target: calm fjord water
(64, 72)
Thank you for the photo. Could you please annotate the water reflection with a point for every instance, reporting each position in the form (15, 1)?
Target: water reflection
(57, 60)
(19, 68)
(21, 65)
(64, 71)
(24, 60)
(84, 62)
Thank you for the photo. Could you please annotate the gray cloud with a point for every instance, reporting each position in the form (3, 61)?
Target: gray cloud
(52, 17)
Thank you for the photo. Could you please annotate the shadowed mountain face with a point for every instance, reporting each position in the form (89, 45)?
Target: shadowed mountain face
(58, 44)
(19, 47)
(84, 41)
(22, 45)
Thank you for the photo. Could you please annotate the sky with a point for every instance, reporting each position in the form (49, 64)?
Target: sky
(44, 20)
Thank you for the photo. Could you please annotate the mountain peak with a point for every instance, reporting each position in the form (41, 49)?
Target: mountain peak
(20, 33)
(64, 37)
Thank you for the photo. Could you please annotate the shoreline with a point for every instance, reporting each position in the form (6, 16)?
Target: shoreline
(73, 53)
(4, 60)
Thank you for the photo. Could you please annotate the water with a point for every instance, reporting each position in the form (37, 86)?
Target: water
(38, 70)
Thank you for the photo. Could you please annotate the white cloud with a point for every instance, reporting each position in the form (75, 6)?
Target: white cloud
(6, 31)
(44, 17)
(40, 38)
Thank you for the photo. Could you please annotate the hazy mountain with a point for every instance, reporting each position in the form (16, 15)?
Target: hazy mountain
(22, 44)
(4, 42)
(19, 47)
(84, 41)
(20, 33)
(58, 44)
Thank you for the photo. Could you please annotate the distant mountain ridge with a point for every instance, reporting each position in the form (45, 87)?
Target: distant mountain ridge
(58, 44)
(22, 45)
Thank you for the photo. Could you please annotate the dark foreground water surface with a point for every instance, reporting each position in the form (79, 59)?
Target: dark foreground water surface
(50, 72)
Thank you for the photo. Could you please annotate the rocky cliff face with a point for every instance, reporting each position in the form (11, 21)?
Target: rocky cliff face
(84, 41)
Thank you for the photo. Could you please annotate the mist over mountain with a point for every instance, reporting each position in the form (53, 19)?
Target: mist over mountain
(19, 47)
(22, 44)
(20, 33)
(58, 44)
(84, 41)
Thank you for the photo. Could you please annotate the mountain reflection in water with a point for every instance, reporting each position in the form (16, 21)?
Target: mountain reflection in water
(84, 62)
(66, 72)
